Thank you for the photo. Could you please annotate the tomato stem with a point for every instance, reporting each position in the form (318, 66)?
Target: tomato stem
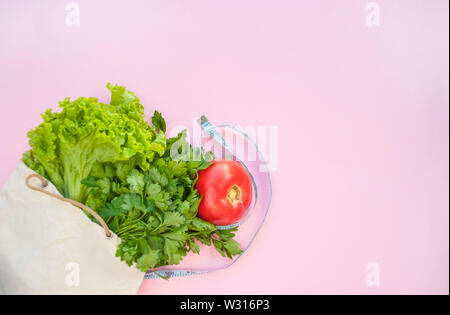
(234, 195)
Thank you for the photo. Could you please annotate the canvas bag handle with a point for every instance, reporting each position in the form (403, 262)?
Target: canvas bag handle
(73, 202)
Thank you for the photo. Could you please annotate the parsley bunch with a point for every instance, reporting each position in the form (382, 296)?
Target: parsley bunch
(154, 212)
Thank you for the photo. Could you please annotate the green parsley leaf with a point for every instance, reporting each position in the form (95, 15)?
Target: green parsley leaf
(158, 121)
(147, 261)
(136, 181)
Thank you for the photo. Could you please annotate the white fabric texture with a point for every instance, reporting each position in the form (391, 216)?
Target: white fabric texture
(48, 246)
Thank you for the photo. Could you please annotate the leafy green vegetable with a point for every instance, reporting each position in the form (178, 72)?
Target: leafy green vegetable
(87, 136)
(141, 184)
(158, 121)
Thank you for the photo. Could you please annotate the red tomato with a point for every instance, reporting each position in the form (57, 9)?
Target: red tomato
(226, 188)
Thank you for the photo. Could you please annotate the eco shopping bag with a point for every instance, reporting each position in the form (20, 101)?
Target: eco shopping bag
(49, 246)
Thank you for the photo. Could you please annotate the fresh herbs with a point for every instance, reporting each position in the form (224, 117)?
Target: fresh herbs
(154, 212)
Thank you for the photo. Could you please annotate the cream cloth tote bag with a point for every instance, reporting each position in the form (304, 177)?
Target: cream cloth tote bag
(49, 246)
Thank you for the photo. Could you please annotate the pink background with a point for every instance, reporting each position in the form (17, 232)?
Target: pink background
(363, 117)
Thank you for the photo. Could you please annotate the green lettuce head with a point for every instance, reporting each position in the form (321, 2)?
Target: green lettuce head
(88, 138)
